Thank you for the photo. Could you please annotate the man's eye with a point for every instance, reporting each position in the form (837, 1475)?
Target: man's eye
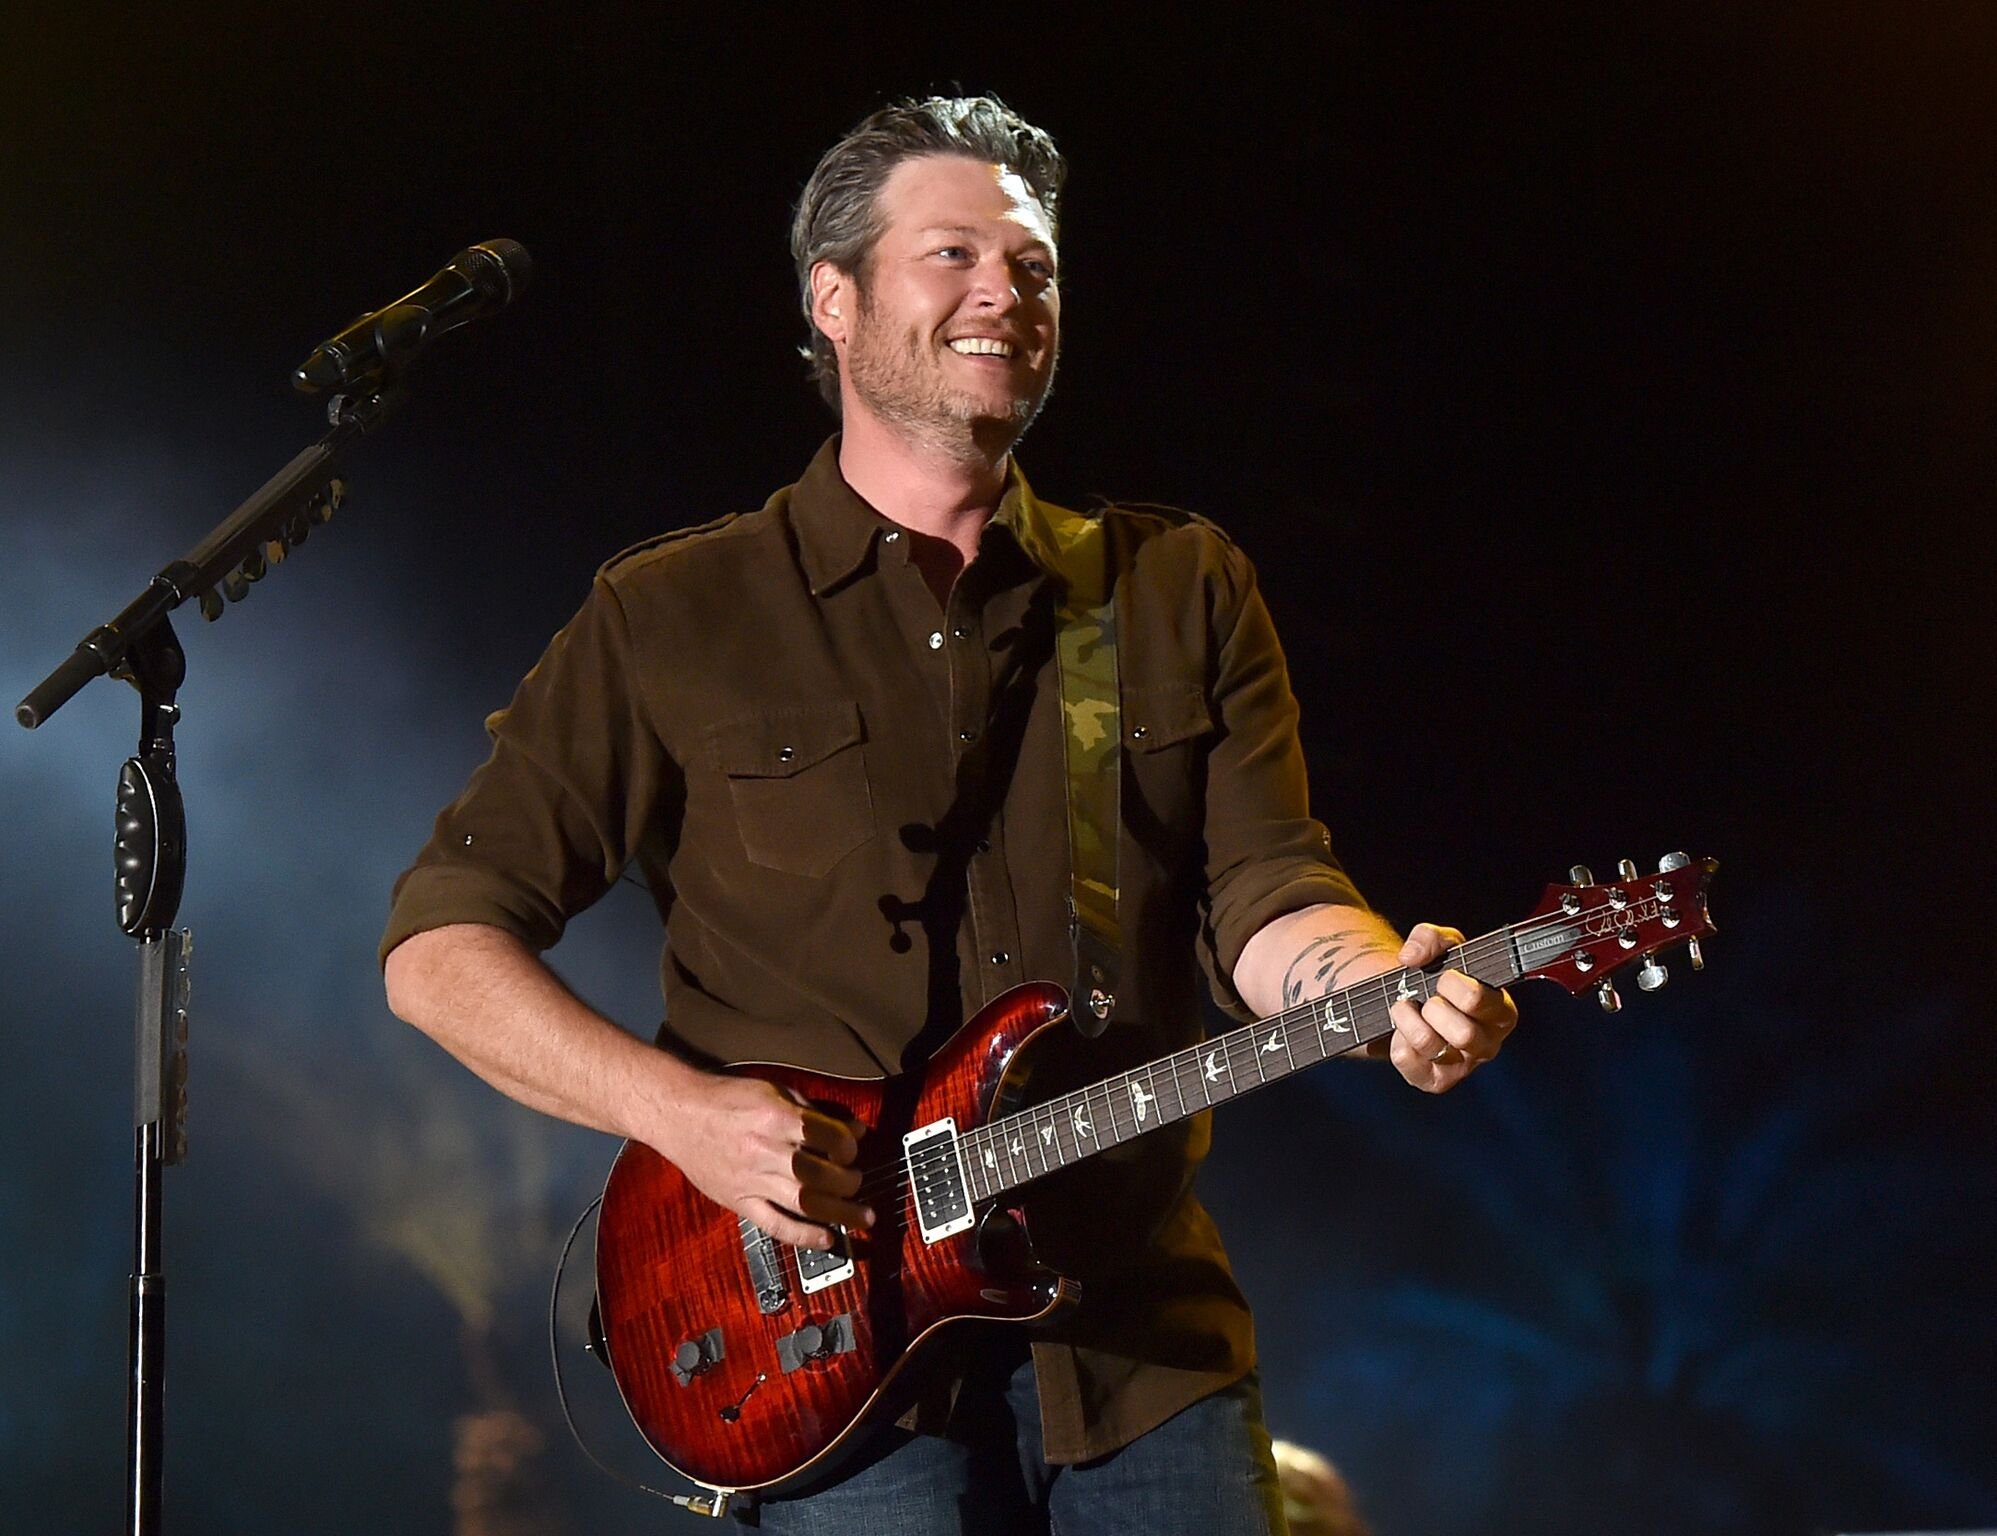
(952, 252)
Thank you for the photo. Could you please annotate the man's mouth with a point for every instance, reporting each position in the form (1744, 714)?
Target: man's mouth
(981, 346)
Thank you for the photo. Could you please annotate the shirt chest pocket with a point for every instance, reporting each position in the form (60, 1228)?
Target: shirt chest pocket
(1161, 715)
(1167, 731)
(797, 781)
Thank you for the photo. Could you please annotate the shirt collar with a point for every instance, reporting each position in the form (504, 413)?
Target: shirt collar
(837, 528)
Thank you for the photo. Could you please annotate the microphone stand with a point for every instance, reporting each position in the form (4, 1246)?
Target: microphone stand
(139, 646)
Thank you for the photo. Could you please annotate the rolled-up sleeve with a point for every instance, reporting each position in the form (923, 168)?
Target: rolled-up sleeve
(559, 807)
(1266, 856)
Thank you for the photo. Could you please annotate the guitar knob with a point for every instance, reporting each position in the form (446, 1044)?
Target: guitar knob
(1692, 953)
(689, 1357)
(810, 1340)
(1652, 976)
(1626, 868)
(1579, 875)
(1605, 992)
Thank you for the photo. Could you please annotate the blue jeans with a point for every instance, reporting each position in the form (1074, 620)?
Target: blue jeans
(1207, 1469)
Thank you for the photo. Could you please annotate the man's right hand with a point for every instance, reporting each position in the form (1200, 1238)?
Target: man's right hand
(488, 999)
(787, 1167)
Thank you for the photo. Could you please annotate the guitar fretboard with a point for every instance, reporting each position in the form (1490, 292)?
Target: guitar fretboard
(1019, 1148)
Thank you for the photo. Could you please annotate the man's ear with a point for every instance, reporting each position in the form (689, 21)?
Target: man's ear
(831, 300)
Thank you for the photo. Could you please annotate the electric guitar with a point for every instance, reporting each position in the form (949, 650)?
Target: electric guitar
(747, 1363)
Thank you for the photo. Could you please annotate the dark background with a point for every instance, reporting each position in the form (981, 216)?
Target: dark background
(1608, 403)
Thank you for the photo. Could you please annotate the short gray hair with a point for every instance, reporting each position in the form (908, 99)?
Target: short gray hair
(838, 215)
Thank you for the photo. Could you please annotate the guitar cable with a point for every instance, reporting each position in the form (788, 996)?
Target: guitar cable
(714, 1504)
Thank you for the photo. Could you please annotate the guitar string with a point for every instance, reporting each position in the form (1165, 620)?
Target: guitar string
(1375, 992)
(1123, 1125)
(881, 1178)
(902, 1176)
(1238, 1045)
(1088, 1110)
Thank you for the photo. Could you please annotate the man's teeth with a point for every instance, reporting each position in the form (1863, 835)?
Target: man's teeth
(981, 346)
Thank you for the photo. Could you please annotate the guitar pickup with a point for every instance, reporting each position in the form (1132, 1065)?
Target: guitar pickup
(936, 1179)
(817, 1341)
(819, 1267)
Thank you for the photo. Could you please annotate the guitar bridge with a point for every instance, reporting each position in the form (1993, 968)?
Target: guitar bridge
(766, 1270)
(936, 1179)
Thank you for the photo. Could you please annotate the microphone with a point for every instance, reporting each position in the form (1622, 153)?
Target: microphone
(479, 280)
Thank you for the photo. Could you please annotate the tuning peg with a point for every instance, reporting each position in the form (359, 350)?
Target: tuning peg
(1670, 862)
(1626, 868)
(1579, 875)
(1605, 993)
(1653, 975)
(1692, 953)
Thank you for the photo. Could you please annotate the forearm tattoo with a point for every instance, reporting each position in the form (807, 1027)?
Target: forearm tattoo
(1319, 966)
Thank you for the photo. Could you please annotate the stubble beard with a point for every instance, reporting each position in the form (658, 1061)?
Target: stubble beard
(900, 379)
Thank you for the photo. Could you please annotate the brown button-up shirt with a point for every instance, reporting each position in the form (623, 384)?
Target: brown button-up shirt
(849, 803)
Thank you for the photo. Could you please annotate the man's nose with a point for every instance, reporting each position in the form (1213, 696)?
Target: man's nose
(995, 285)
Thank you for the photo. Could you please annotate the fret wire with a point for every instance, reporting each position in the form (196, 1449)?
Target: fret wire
(1170, 1063)
(970, 1168)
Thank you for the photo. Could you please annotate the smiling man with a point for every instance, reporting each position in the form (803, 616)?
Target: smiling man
(962, 269)
(830, 734)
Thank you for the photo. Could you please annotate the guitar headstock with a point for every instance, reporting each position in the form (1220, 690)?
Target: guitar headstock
(1581, 934)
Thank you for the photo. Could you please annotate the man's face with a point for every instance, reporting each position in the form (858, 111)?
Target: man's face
(955, 324)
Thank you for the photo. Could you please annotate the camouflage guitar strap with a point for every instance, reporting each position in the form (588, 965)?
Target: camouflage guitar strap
(1078, 548)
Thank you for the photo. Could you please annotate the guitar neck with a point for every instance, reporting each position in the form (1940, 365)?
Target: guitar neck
(1018, 1148)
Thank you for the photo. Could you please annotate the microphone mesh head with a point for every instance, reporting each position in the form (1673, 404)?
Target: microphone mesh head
(500, 268)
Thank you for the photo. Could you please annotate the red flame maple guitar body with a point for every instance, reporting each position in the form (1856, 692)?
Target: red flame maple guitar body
(736, 1374)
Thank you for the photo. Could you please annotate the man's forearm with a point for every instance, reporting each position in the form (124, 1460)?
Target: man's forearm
(744, 1143)
(1310, 952)
(490, 1001)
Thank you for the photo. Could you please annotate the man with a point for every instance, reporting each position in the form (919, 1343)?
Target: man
(829, 732)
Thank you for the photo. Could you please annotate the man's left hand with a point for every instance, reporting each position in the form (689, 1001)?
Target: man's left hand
(1460, 1027)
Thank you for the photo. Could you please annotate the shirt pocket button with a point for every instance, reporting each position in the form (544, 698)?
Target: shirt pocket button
(797, 784)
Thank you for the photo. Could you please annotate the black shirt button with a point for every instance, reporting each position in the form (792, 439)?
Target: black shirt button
(984, 844)
(970, 735)
(999, 957)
